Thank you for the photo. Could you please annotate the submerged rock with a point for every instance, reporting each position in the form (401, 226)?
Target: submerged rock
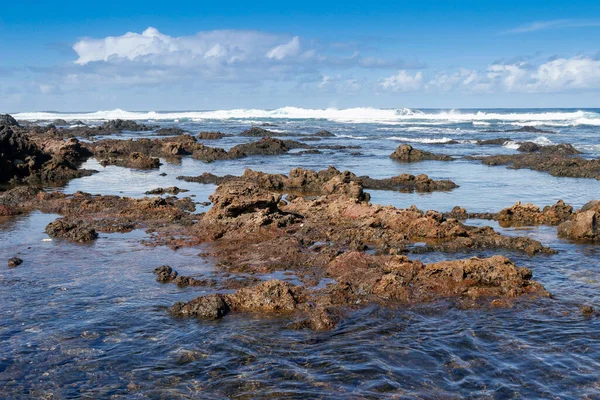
(14, 262)
(174, 190)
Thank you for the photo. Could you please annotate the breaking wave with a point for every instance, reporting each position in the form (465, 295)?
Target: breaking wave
(355, 115)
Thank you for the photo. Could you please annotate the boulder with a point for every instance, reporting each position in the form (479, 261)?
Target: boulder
(406, 153)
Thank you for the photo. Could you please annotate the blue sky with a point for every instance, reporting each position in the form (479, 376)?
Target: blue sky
(134, 55)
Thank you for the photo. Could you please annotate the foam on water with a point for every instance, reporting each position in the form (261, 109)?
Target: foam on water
(421, 140)
(542, 141)
(358, 115)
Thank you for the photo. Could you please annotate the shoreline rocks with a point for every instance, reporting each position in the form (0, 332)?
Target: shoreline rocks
(584, 224)
(316, 183)
(406, 153)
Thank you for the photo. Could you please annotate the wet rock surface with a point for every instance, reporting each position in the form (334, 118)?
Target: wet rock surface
(557, 160)
(8, 120)
(407, 153)
(14, 262)
(174, 190)
(23, 160)
(75, 231)
(211, 135)
(323, 182)
(521, 214)
(133, 160)
(362, 279)
(584, 224)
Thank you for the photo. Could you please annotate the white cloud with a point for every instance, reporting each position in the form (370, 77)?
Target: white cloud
(561, 74)
(554, 24)
(403, 82)
(153, 47)
(554, 76)
(282, 51)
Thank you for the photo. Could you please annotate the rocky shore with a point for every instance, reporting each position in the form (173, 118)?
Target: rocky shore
(319, 226)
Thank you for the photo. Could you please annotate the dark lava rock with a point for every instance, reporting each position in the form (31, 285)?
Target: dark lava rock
(19, 157)
(60, 122)
(324, 133)
(265, 146)
(587, 310)
(8, 120)
(14, 262)
(119, 125)
(170, 190)
(494, 142)
(134, 160)
(212, 306)
(529, 129)
(528, 147)
(77, 232)
(211, 135)
(255, 131)
(406, 153)
(165, 274)
(173, 131)
(19, 195)
(564, 149)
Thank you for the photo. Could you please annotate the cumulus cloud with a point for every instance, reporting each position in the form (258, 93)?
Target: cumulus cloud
(552, 76)
(403, 81)
(560, 74)
(153, 47)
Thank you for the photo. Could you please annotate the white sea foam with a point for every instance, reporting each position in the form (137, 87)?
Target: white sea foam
(420, 140)
(357, 115)
(541, 140)
(352, 137)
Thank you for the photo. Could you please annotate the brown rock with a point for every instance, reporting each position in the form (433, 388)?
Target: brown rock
(406, 153)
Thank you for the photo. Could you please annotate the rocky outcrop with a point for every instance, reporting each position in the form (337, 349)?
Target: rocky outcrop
(133, 160)
(256, 131)
(174, 190)
(119, 125)
(529, 129)
(555, 160)
(494, 142)
(584, 225)
(172, 131)
(74, 231)
(406, 153)
(324, 134)
(528, 214)
(361, 279)
(22, 160)
(8, 120)
(316, 183)
(265, 146)
(211, 135)
(14, 262)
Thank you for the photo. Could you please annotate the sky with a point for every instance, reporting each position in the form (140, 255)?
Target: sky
(196, 55)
